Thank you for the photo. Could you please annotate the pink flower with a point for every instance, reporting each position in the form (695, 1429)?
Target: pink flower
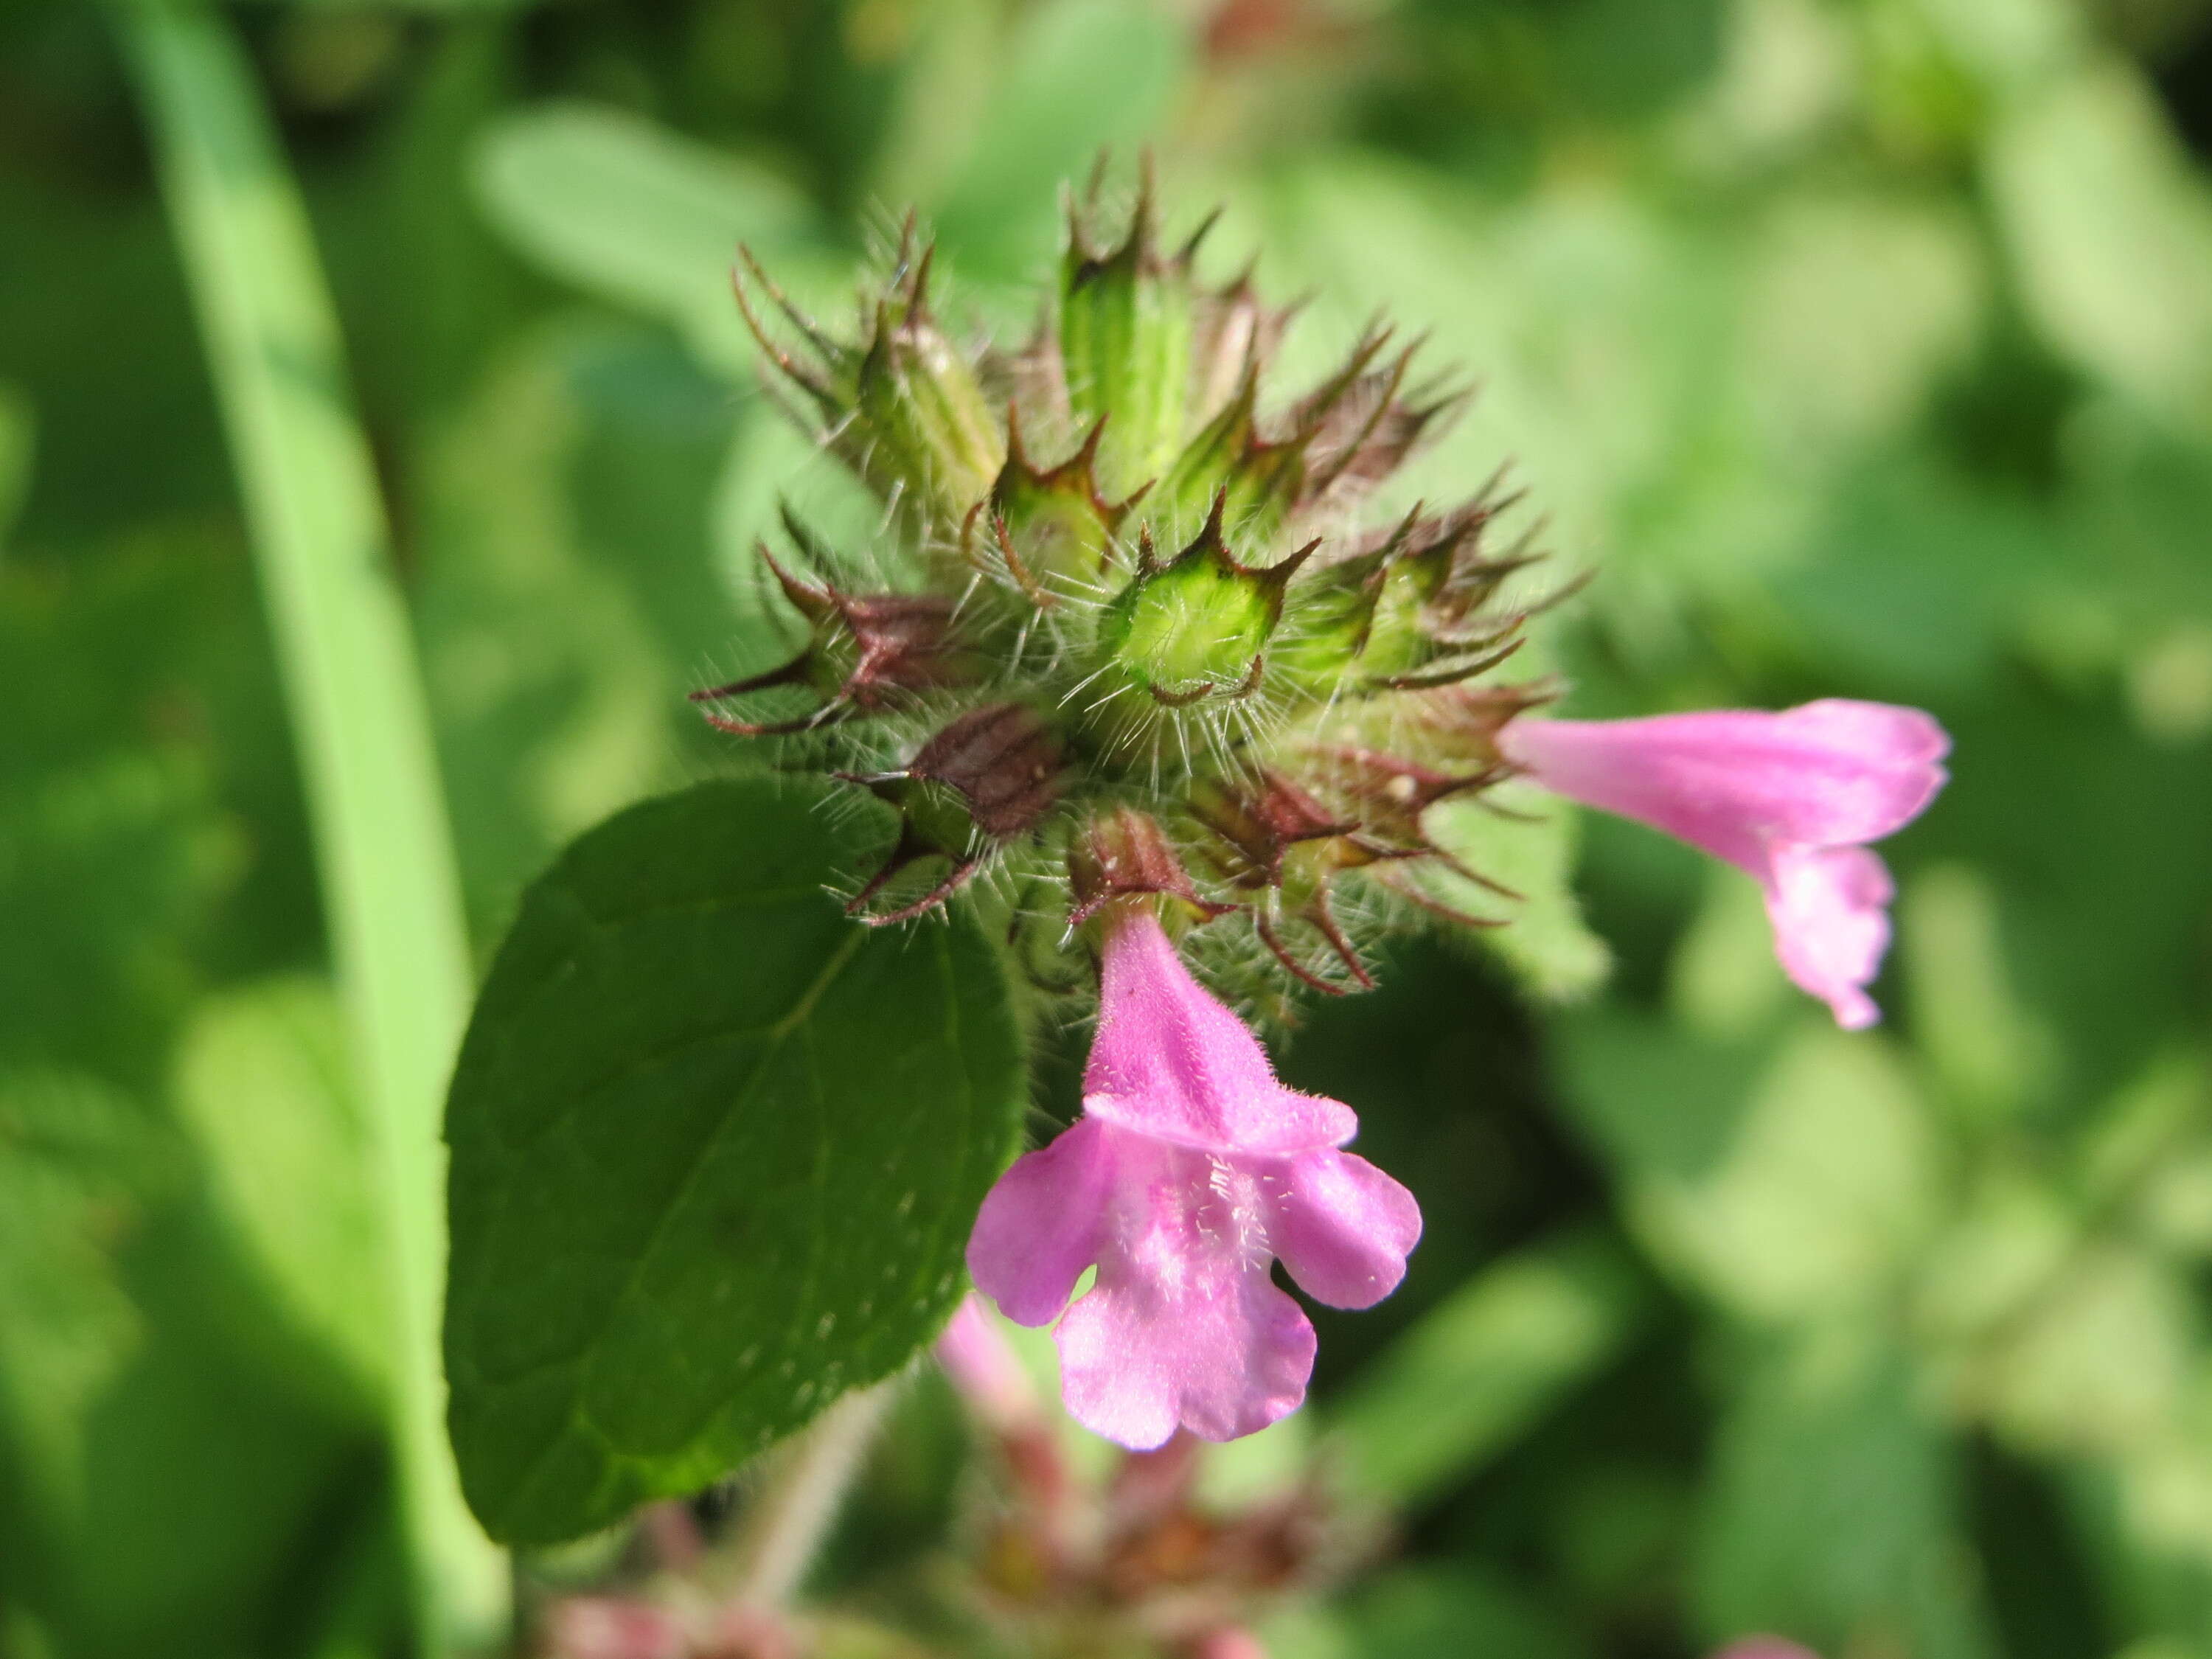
(1191, 1171)
(1791, 798)
(607, 1627)
(1230, 1642)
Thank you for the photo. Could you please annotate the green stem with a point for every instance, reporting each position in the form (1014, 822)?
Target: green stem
(357, 711)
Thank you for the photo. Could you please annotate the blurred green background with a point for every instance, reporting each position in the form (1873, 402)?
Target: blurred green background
(1863, 349)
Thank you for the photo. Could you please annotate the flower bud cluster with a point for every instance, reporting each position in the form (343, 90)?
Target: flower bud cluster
(1142, 638)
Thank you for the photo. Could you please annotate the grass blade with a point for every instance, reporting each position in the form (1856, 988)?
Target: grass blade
(357, 705)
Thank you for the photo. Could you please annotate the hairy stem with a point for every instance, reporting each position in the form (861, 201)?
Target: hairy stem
(799, 1488)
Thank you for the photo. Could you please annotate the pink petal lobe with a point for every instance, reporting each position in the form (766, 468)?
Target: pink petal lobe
(1222, 1358)
(1341, 1227)
(1830, 909)
(1736, 782)
(1184, 1327)
(1171, 1062)
(1042, 1225)
(1886, 732)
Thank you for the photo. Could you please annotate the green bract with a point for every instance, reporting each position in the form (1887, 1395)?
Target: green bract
(1141, 629)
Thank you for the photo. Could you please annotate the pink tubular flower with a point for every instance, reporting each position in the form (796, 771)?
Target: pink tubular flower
(1791, 798)
(1191, 1170)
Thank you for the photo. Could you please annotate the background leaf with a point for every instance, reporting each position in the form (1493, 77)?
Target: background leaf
(1782, 1184)
(264, 1087)
(635, 213)
(2112, 235)
(134, 1396)
(1533, 854)
(16, 433)
(1831, 1514)
(1081, 75)
(1475, 1370)
(83, 1166)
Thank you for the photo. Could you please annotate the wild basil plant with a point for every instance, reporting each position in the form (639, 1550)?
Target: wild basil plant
(1137, 706)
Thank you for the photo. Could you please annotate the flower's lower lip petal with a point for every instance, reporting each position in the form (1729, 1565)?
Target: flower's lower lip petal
(1221, 1355)
(1829, 908)
(1173, 1183)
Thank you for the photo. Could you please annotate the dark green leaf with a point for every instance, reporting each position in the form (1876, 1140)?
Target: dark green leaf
(716, 1149)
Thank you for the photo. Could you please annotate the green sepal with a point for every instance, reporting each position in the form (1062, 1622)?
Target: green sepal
(1126, 333)
(1261, 481)
(1195, 628)
(1428, 622)
(1048, 526)
(923, 418)
(1334, 620)
(1267, 479)
(904, 407)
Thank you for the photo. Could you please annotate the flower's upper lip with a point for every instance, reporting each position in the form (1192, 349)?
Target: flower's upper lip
(1171, 1063)
(1288, 1123)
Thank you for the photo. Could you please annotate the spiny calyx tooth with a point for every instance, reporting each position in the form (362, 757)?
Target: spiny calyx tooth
(1122, 854)
(1194, 627)
(982, 780)
(866, 653)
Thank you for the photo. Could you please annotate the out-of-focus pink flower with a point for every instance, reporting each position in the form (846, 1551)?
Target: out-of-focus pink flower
(983, 1367)
(1792, 798)
(604, 1627)
(1765, 1646)
(1230, 1642)
(1191, 1171)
